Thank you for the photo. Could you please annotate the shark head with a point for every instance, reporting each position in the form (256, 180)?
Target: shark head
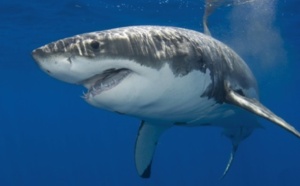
(77, 59)
(93, 60)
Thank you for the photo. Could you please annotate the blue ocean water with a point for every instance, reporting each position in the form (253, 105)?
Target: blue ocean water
(50, 136)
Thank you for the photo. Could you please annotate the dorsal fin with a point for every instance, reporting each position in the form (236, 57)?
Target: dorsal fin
(211, 5)
(205, 27)
(209, 8)
(252, 105)
(146, 142)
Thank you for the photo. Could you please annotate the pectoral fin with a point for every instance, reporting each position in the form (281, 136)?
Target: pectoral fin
(146, 142)
(252, 105)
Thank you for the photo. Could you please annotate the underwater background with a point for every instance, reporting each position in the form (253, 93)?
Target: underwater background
(49, 136)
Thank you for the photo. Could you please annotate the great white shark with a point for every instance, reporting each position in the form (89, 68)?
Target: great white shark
(165, 76)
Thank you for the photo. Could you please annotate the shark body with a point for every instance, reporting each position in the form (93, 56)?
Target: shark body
(165, 76)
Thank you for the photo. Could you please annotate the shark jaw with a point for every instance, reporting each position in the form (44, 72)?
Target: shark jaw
(107, 80)
(78, 70)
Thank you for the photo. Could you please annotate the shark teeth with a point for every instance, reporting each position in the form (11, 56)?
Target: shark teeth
(105, 81)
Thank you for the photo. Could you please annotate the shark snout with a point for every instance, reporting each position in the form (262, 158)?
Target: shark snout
(47, 51)
(37, 54)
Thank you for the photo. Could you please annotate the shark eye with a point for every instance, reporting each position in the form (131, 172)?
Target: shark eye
(95, 45)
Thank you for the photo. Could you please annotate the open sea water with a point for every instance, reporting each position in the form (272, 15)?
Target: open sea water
(50, 137)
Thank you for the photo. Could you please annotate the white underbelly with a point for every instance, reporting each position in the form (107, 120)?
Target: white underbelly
(179, 99)
(160, 95)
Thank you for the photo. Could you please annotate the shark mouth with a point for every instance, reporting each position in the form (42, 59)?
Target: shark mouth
(104, 81)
